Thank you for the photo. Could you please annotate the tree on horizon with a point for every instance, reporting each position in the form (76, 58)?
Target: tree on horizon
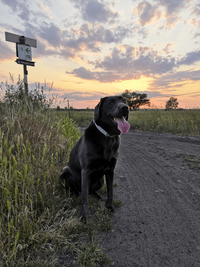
(172, 103)
(135, 100)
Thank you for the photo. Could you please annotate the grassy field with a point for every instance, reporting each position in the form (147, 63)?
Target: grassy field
(182, 122)
(82, 118)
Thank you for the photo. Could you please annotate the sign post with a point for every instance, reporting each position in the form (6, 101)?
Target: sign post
(23, 52)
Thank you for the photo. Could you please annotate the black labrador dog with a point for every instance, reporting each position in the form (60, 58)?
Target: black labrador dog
(95, 153)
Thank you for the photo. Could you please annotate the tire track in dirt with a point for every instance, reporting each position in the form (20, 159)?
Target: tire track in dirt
(158, 224)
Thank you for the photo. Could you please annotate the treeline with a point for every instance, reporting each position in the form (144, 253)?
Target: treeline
(74, 109)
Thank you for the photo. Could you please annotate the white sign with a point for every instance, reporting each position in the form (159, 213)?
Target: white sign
(24, 52)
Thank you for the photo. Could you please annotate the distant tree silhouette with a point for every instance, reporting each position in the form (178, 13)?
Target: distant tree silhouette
(172, 103)
(135, 100)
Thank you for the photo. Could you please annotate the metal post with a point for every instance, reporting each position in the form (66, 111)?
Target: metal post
(25, 79)
(22, 41)
(68, 108)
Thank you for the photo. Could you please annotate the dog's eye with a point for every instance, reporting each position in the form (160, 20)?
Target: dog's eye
(111, 103)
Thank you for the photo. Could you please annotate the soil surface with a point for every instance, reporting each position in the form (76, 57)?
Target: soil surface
(158, 223)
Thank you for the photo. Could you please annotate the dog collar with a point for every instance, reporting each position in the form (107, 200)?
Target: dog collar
(102, 130)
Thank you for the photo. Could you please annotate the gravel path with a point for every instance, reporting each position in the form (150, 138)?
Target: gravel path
(158, 224)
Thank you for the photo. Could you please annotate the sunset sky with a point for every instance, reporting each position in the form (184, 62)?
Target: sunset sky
(88, 49)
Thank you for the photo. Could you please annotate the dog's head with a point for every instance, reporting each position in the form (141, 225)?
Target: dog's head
(111, 114)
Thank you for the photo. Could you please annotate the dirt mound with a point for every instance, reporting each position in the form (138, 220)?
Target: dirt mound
(158, 181)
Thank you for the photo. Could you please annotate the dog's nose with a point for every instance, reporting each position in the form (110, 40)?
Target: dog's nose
(124, 108)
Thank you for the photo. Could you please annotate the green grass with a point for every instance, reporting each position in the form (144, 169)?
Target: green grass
(182, 122)
(37, 219)
(32, 153)
(193, 161)
(82, 118)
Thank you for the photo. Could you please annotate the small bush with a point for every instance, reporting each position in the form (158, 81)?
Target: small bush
(16, 98)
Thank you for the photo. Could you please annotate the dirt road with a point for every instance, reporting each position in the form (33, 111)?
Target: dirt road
(158, 224)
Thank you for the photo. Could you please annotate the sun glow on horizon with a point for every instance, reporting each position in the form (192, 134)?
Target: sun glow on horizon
(89, 51)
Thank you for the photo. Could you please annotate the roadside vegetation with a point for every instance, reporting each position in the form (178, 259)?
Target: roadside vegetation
(181, 122)
(37, 221)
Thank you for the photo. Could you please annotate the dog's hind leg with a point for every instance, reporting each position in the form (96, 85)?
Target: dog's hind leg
(64, 173)
(69, 185)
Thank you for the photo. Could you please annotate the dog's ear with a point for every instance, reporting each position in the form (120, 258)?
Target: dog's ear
(97, 110)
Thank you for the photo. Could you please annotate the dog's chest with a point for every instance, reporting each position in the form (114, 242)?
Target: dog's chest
(110, 150)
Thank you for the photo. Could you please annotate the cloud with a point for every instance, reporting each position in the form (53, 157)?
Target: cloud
(103, 76)
(6, 52)
(172, 10)
(196, 11)
(151, 94)
(89, 37)
(71, 95)
(83, 96)
(174, 80)
(71, 43)
(13, 4)
(43, 51)
(125, 64)
(167, 48)
(194, 22)
(18, 6)
(24, 11)
(172, 6)
(95, 11)
(147, 13)
(51, 33)
(137, 60)
(196, 35)
(83, 73)
(190, 58)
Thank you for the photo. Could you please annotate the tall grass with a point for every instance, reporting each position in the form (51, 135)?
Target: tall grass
(183, 122)
(33, 147)
(36, 217)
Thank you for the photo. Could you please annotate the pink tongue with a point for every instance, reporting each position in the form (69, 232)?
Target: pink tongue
(123, 125)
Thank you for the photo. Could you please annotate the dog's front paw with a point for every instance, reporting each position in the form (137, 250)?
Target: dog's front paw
(84, 214)
(110, 207)
(83, 219)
